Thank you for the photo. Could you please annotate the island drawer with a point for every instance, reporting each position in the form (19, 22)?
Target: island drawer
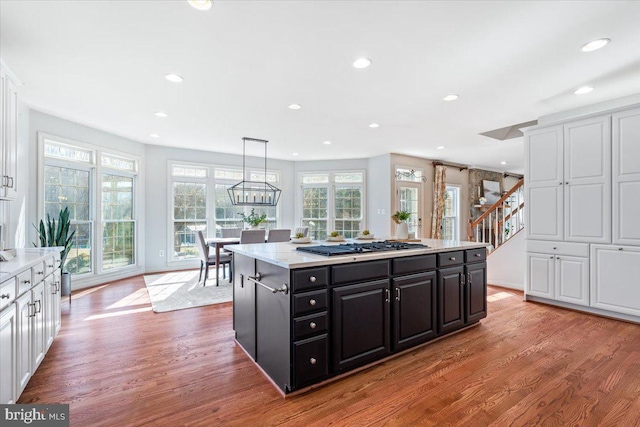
(414, 264)
(475, 255)
(309, 302)
(310, 325)
(450, 258)
(359, 272)
(7, 292)
(310, 278)
(310, 360)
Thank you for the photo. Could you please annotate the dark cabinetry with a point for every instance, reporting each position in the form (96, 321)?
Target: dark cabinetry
(414, 315)
(450, 299)
(476, 292)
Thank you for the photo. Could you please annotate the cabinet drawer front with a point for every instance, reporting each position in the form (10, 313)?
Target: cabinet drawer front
(475, 255)
(414, 264)
(450, 258)
(309, 302)
(50, 265)
(7, 292)
(310, 360)
(23, 282)
(310, 325)
(37, 273)
(359, 272)
(310, 279)
(558, 248)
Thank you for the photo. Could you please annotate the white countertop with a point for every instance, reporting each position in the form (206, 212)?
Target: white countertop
(25, 258)
(285, 254)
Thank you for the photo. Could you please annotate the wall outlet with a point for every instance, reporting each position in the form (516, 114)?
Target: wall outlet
(161, 253)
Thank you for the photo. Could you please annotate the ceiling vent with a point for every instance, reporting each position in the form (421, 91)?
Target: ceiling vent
(509, 132)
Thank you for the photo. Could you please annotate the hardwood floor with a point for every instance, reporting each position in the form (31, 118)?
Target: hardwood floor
(119, 364)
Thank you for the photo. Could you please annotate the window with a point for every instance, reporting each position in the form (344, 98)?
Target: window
(333, 202)
(198, 191)
(91, 182)
(451, 214)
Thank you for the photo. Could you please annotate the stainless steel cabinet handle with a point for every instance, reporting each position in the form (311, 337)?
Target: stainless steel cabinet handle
(5, 179)
(469, 278)
(10, 185)
(452, 258)
(3, 296)
(50, 265)
(619, 249)
(39, 306)
(284, 288)
(387, 295)
(566, 183)
(555, 248)
(312, 279)
(462, 278)
(559, 183)
(478, 255)
(312, 325)
(397, 294)
(551, 257)
(313, 361)
(29, 305)
(26, 281)
(312, 302)
(39, 272)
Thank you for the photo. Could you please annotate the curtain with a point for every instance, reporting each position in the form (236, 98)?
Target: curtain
(439, 189)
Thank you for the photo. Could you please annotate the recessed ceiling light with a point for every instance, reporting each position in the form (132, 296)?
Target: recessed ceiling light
(173, 78)
(326, 142)
(154, 135)
(295, 106)
(503, 162)
(583, 90)
(595, 45)
(362, 62)
(451, 97)
(294, 154)
(200, 4)
(374, 125)
(440, 148)
(160, 114)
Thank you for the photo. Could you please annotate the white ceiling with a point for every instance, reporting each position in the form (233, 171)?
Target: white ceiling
(102, 63)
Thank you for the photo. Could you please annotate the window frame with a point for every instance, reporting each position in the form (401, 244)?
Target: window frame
(457, 224)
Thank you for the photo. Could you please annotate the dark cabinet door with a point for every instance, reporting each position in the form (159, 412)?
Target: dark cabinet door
(414, 314)
(476, 301)
(360, 315)
(450, 299)
(244, 303)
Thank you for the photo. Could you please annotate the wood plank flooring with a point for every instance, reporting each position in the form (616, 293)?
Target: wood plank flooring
(119, 364)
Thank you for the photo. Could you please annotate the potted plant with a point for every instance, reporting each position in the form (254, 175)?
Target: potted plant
(253, 219)
(56, 233)
(400, 218)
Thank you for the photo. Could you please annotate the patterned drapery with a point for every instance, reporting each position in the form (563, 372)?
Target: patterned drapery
(439, 189)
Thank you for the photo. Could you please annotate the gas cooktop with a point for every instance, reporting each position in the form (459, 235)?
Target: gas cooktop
(359, 248)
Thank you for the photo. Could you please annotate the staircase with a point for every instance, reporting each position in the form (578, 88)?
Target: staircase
(503, 220)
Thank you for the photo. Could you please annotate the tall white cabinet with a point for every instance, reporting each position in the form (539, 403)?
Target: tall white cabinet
(582, 183)
(8, 135)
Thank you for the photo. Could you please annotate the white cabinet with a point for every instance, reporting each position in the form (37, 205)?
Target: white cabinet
(8, 354)
(587, 180)
(8, 135)
(56, 313)
(38, 325)
(558, 271)
(615, 278)
(544, 184)
(568, 182)
(626, 177)
(24, 310)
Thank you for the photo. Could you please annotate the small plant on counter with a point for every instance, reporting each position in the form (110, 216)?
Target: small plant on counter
(334, 234)
(400, 216)
(365, 232)
(253, 219)
(299, 236)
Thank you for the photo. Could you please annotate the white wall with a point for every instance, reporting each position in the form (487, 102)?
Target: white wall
(157, 202)
(379, 192)
(506, 265)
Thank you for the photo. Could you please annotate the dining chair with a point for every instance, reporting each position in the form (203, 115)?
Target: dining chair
(279, 235)
(230, 232)
(301, 230)
(207, 259)
(251, 236)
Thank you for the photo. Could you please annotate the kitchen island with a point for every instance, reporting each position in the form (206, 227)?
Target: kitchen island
(306, 318)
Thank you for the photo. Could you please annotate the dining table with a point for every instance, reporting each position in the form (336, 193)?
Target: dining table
(218, 243)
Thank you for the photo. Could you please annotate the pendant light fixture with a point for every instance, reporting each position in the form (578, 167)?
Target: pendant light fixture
(254, 193)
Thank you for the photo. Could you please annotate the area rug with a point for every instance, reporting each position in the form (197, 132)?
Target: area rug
(180, 289)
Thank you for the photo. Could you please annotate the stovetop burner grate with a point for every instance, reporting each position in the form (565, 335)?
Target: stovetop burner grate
(359, 248)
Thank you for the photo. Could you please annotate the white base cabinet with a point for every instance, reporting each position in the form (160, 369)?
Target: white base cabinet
(615, 278)
(8, 354)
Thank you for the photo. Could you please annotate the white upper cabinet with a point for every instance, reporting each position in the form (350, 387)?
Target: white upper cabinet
(8, 136)
(626, 177)
(544, 184)
(587, 181)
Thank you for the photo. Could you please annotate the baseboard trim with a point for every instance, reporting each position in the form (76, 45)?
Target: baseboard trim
(503, 284)
(585, 309)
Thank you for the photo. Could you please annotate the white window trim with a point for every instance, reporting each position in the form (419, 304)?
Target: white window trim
(459, 225)
(97, 170)
(210, 181)
(422, 229)
(331, 186)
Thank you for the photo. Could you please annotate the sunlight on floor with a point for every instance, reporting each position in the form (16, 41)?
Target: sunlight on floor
(118, 313)
(499, 296)
(165, 285)
(87, 292)
(139, 297)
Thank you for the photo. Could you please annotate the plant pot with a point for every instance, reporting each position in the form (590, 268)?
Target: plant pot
(65, 284)
(402, 230)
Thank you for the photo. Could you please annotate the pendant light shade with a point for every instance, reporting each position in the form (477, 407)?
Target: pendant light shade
(254, 193)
